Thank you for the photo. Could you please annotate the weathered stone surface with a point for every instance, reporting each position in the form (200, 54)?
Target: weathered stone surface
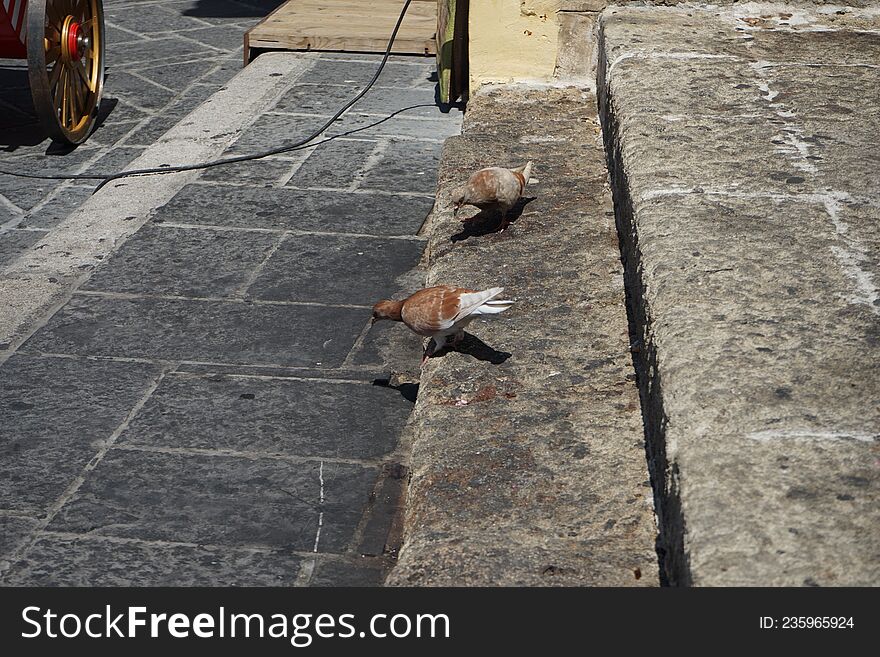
(213, 331)
(288, 209)
(528, 463)
(55, 413)
(346, 573)
(91, 561)
(292, 417)
(747, 204)
(219, 500)
(183, 262)
(14, 532)
(336, 269)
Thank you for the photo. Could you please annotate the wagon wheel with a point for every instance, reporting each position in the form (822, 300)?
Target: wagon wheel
(66, 65)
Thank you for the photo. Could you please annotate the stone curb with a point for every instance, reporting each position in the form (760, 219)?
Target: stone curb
(528, 464)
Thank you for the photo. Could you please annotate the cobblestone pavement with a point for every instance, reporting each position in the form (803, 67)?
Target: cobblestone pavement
(211, 406)
(163, 59)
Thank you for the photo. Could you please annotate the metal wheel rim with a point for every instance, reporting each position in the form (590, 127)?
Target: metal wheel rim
(66, 65)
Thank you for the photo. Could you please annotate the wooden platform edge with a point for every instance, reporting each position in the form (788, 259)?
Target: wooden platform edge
(426, 47)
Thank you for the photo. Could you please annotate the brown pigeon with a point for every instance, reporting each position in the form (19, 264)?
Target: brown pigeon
(440, 312)
(493, 189)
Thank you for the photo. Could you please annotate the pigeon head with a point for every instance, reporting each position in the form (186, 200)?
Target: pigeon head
(387, 309)
(459, 198)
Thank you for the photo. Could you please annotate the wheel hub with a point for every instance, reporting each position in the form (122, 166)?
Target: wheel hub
(74, 40)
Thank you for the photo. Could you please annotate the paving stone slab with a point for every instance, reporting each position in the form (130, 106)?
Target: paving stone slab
(219, 500)
(406, 166)
(266, 172)
(89, 561)
(334, 164)
(172, 50)
(56, 414)
(14, 533)
(183, 262)
(357, 124)
(142, 93)
(287, 209)
(315, 97)
(15, 242)
(213, 331)
(422, 100)
(335, 269)
(275, 130)
(356, 74)
(292, 417)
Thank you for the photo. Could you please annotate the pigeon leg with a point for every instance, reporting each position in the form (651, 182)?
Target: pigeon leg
(458, 337)
(503, 223)
(429, 350)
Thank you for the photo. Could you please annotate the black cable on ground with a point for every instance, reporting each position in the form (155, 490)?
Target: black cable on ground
(303, 143)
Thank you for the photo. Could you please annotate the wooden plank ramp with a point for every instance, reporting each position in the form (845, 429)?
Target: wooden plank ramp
(346, 26)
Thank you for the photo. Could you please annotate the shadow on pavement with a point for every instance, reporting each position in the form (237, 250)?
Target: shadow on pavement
(231, 8)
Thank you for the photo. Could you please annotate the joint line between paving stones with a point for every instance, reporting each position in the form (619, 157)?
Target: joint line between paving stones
(251, 455)
(268, 377)
(241, 292)
(285, 231)
(197, 363)
(78, 481)
(358, 343)
(136, 296)
(320, 506)
(257, 549)
(371, 162)
(368, 191)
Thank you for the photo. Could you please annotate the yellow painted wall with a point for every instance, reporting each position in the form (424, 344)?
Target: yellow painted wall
(512, 40)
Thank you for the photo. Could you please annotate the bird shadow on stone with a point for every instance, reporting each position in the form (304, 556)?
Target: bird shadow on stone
(486, 222)
(473, 346)
(409, 391)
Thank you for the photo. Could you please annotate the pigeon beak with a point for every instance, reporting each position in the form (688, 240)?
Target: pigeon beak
(372, 321)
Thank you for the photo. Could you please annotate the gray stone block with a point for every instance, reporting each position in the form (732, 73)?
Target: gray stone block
(15, 242)
(315, 98)
(14, 533)
(219, 500)
(289, 417)
(335, 269)
(213, 331)
(407, 166)
(56, 413)
(334, 164)
(288, 209)
(754, 287)
(346, 573)
(89, 561)
(183, 262)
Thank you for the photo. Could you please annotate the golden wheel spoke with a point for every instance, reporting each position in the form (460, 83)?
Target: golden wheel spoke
(82, 75)
(58, 95)
(55, 75)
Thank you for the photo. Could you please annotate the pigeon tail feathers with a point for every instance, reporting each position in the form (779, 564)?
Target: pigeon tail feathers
(526, 171)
